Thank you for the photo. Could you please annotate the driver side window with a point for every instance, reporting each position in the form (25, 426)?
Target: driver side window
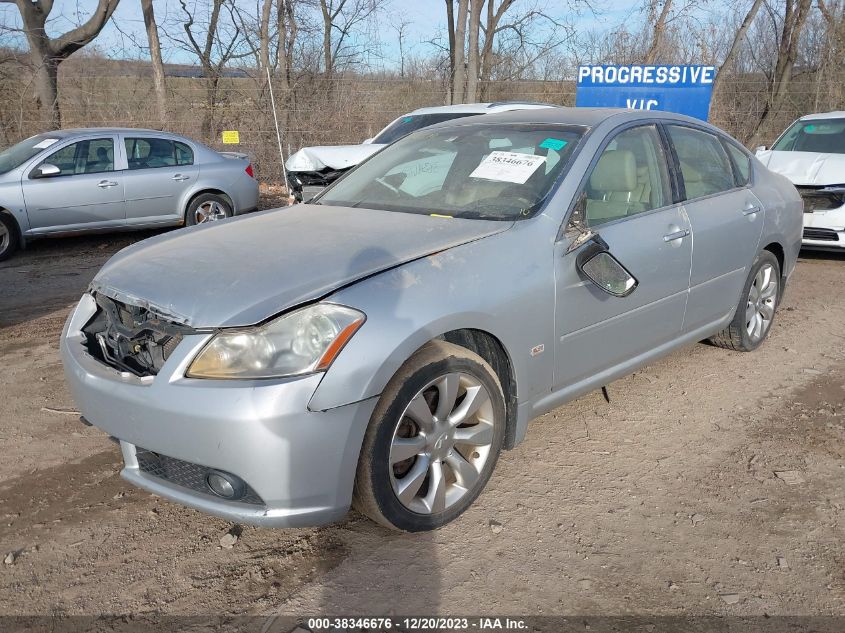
(630, 177)
(84, 157)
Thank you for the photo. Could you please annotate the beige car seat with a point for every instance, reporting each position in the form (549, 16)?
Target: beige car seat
(616, 188)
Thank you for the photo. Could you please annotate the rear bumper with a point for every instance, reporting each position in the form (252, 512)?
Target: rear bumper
(300, 463)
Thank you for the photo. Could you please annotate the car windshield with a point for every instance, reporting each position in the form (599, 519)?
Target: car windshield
(497, 172)
(16, 155)
(413, 122)
(816, 135)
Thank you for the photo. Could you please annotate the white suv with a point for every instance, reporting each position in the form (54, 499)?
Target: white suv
(313, 168)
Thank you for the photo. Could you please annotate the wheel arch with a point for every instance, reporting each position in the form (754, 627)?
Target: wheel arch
(493, 351)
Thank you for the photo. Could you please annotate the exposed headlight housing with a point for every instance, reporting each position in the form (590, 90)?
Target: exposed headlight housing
(301, 342)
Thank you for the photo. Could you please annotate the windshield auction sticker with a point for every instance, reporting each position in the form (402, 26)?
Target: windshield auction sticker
(508, 167)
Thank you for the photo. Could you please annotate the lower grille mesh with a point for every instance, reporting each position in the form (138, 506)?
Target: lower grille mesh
(828, 235)
(184, 474)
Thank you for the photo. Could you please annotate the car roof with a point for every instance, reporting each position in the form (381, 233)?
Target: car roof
(586, 117)
(482, 108)
(836, 114)
(103, 130)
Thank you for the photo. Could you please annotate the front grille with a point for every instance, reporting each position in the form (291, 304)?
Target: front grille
(826, 235)
(131, 338)
(185, 474)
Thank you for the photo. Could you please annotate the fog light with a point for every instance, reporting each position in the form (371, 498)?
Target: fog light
(225, 485)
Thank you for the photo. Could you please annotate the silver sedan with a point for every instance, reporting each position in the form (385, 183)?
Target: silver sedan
(104, 179)
(382, 344)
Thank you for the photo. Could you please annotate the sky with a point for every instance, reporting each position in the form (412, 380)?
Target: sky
(427, 20)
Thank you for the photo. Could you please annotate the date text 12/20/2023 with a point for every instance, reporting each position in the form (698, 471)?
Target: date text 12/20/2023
(418, 624)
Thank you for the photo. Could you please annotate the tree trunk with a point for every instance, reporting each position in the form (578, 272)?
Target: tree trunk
(659, 31)
(450, 27)
(47, 91)
(46, 53)
(327, 39)
(737, 42)
(155, 58)
(459, 76)
(264, 39)
(472, 54)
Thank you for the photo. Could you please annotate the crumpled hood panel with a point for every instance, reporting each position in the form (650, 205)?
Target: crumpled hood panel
(331, 156)
(806, 168)
(244, 270)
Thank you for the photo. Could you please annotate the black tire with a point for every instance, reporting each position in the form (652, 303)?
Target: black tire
(374, 495)
(736, 336)
(207, 201)
(9, 239)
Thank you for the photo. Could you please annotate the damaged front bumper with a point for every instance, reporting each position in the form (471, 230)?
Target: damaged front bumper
(297, 465)
(304, 185)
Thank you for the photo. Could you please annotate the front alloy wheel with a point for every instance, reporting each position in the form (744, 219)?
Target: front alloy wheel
(441, 443)
(433, 439)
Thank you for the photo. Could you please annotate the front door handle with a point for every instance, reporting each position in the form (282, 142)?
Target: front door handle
(676, 235)
(105, 184)
(180, 178)
(751, 209)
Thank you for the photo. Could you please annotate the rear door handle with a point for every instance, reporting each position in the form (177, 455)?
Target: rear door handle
(180, 178)
(751, 209)
(105, 184)
(676, 235)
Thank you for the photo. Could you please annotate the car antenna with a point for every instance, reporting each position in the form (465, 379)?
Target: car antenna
(605, 394)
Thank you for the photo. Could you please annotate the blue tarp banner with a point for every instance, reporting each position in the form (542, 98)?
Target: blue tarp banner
(681, 89)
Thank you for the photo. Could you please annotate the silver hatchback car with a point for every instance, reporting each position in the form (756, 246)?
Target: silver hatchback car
(381, 345)
(105, 179)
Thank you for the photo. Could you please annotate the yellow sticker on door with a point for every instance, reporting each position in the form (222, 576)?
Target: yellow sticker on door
(231, 137)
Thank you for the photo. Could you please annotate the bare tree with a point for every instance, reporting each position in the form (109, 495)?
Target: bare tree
(659, 29)
(46, 53)
(794, 18)
(401, 26)
(738, 39)
(213, 51)
(155, 58)
(341, 18)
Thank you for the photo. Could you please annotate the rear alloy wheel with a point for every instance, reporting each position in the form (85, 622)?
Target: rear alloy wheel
(8, 237)
(208, 207)
(756, 311)
(433, 440)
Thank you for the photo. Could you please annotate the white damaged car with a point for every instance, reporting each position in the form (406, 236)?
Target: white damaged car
(811, 153)
(311, 169)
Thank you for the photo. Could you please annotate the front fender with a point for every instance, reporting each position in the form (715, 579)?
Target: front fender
(495, 284)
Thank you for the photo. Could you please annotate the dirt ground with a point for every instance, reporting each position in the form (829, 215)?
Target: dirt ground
(712, 483)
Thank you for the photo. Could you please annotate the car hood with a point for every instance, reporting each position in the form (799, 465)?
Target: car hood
(806, 168)
(244, 270)
(330, 156)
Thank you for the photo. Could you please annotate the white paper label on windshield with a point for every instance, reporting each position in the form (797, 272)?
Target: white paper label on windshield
(508, 167)
(47, 142)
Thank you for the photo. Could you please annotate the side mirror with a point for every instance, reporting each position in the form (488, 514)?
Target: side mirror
(604, 270)
(760, 148)
(46, 170)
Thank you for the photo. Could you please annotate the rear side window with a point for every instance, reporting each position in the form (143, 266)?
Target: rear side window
(704, 164)
(149, 153)
(84, 157)
(741, 162)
